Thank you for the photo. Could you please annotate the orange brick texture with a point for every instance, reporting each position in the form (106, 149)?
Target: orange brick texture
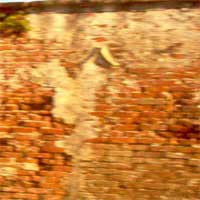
(147, 141)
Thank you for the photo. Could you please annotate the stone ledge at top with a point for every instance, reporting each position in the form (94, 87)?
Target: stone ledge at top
(63, 2)
(113, 1)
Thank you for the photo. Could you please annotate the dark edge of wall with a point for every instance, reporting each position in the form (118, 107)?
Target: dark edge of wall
(136, 5)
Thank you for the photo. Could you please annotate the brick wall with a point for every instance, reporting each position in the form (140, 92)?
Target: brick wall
(125, 127)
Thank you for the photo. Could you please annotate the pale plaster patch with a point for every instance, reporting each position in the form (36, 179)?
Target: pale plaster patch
(35, 22)
(57, 30)
(132, 83)
(66, 100)
(14, 81)
(8, 168)
(5, 135)
(73, 102)
(30, 166)
(74, 99)
(8, 171)
(197, 99)
(197, 96)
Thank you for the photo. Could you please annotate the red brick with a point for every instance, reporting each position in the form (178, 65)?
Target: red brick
(6, 149)
(4, 160)
(53, 197)
(99, 113)
(26, 196)
(69, 65)
(38, 190)
(10, 154)
(13, 189)
(103, 107)
(100, 39)
(173, 141)
(2, 179)
(21, 172)
(144, 140)
(102, 25)
(122, 114)
(27, 160)
(36, 124)
(178, 56)
(11, 107)
(21, 129)
(126, 127)
(52, 173)
(40, 155)
(162, 148)
(52, 149)
(5, 129)
(56, 131)
(62, 168)
(20, 137)
(6, 47)
(136, 147)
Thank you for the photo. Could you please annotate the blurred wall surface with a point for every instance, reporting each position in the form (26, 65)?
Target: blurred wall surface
(100, 100)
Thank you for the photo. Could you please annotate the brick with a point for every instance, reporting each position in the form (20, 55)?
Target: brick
(178, 56)
(173, 141)
(21, 129)
(36, 178)
(10, 154)
(176, 155)
(5, 135)
(99, 113)
(194, 162)
(62, 168)
(144, 154)
(25, 107)
(148, 141)
(6, 149)
(22, 137)
(26, 196)
(103, 107)
(151, 101)
(37, 190)
(4, 161)
(35, 124)
(52, 149)
(100, 39)
(8, 171)
(53, 197)
(11, 107)
(52, 173)
(22, 172)
(5, 129)
(40, 155)
(140, 147)
(2, 180)
(56, 131)
(122, 140)
(13, 189)
(126, 127)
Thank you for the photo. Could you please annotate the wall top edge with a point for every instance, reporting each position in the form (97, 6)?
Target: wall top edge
(81, 3)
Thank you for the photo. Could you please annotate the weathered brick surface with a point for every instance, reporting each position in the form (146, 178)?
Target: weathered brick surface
(135, 135)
